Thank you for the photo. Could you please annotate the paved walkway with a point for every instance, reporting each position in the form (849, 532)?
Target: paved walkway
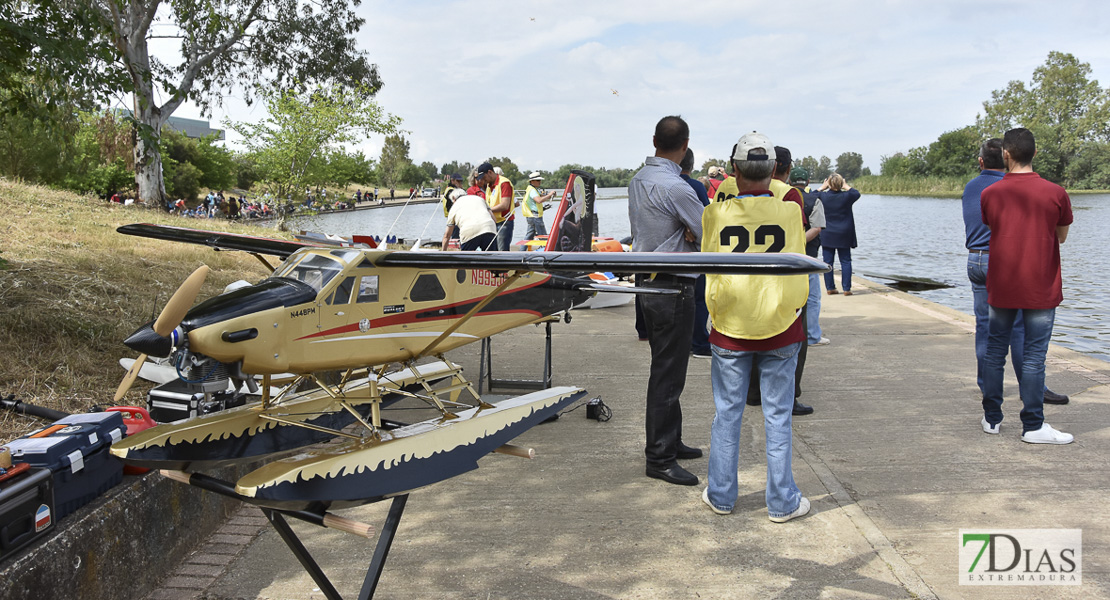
(893, 460)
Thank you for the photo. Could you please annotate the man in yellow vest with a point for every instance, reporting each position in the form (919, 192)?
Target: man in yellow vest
(499, 196)
(756, 321)
(787, 193)
(532, 208)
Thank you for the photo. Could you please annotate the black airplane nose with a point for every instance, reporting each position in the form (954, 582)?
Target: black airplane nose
(144, 340)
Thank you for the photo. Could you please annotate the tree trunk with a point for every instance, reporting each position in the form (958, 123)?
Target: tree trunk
(148, 157)
(134, 19)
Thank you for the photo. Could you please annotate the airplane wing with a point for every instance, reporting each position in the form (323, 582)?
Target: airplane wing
(216, 239)
(722, 263)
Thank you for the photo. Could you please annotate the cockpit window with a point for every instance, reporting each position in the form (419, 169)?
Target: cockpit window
(314, 269)
(342, 293)
(426, 288)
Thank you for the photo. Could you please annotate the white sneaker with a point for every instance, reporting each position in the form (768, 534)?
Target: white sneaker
(824, 341)
(988, 428)
(803, 508)
(705, 499)
(1047, 435)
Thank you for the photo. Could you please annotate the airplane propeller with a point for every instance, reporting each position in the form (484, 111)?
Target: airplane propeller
(168, 320)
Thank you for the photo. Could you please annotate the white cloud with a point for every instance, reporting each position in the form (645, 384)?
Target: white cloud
(482, 78)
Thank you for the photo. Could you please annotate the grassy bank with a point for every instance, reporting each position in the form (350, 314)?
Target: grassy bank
(71, 289)
(936, 187)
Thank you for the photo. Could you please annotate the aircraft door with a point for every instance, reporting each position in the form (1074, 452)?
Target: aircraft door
(336, 311)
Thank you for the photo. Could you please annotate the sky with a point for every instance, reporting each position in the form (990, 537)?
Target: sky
(552, 83)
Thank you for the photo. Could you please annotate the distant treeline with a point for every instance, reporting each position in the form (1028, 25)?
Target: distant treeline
(1068, 112)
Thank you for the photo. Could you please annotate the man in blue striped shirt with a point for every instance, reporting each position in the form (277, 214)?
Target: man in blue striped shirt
(665, 215)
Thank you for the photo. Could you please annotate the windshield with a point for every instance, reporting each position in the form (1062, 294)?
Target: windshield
(316, 269)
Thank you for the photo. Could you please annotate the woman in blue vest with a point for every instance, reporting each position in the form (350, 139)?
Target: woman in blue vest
(839, 235)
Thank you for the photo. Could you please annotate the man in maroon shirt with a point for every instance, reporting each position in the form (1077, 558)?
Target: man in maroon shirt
(1029, 219)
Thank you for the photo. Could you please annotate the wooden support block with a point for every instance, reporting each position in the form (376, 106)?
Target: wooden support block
(512, 450)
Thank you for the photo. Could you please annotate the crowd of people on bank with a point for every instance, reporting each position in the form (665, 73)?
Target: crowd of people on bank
(758, 327)
(482, 216)
(215, 204)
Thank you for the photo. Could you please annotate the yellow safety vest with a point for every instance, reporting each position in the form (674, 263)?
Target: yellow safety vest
(753, 307)
(447, 190)
(532, 193)
(493, 198)
(779, 189)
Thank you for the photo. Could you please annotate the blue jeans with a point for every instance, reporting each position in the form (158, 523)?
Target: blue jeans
(1038, 332)
(535, 227)
(813, 310)
(977, 274)
(845, 267)
(505, 235)
(731, 372)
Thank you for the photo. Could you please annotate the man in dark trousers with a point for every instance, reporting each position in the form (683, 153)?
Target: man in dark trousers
(1029, 218)
(665, 215)
(699, 342)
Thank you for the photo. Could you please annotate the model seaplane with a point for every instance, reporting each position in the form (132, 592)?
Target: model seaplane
(364, 312)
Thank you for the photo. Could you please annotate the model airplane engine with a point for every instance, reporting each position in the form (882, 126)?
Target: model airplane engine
(203, 385)
(200, 384)
(202, 373)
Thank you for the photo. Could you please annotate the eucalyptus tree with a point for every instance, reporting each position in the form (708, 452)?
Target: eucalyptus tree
(394, 162)
(167, 52)
(291, 146)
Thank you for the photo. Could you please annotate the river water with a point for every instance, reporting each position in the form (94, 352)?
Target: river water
(907, 237)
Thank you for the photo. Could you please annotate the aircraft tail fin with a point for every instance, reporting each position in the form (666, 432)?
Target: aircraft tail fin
(575, 221)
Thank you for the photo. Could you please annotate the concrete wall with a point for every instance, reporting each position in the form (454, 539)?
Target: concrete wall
(119, 545)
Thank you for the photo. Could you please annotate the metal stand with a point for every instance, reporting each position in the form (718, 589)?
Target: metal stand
(319, 517)
(485, 371)
(373, 573)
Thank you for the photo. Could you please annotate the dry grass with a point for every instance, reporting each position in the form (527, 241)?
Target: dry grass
(72, 288)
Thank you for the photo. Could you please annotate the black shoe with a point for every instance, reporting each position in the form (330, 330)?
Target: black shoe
(672, 474)
(1051, 397)
(801, 409)
(687, 452)
(753, 401)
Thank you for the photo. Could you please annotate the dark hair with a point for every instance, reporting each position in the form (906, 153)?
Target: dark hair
(991, 153)
(687, 163)
(1020, 144)
(782, 160)
(671, 133)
